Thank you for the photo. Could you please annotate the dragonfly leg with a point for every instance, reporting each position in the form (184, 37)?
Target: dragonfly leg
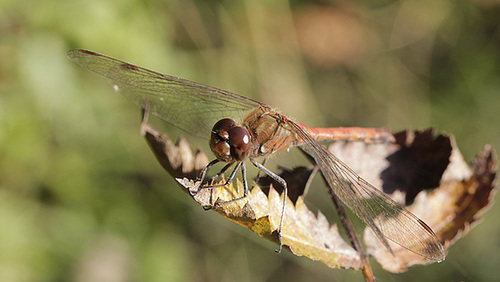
(223, 170)
(228, 181)
(258, 173)
(204, 171)
(245, 185)
(285, 191)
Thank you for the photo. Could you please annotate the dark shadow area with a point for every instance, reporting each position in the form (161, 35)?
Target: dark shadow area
(419, 163)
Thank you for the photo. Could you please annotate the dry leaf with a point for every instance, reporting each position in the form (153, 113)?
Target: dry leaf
(416, 162)
(177, 160)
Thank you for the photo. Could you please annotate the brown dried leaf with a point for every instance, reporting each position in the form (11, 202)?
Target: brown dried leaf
(417, 161)
(177, 160)
(420, 161)
(303, 233)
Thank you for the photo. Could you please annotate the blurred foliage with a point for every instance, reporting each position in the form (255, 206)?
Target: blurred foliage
(82, 197)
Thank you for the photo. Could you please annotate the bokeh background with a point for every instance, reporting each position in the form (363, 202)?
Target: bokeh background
(81, 196)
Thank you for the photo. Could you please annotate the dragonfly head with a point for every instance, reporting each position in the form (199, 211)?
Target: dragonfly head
(230, 142)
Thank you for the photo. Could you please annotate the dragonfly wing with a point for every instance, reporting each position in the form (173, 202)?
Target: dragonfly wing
(188, 105)
(388, 219)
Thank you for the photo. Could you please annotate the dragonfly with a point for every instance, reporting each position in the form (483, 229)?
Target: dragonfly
(241, 129)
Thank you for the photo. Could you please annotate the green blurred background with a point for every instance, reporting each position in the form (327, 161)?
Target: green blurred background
(81, 196)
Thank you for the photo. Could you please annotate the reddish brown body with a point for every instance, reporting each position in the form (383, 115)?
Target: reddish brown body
(269, 131)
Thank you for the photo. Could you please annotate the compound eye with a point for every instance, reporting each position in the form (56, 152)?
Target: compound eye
(219, 139)
(239, 140)
(223, 125)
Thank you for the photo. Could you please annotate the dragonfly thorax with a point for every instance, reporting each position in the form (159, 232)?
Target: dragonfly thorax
(229, 142)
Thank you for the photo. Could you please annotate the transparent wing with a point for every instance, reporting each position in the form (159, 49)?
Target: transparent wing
(188, 105)
(388, 219)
